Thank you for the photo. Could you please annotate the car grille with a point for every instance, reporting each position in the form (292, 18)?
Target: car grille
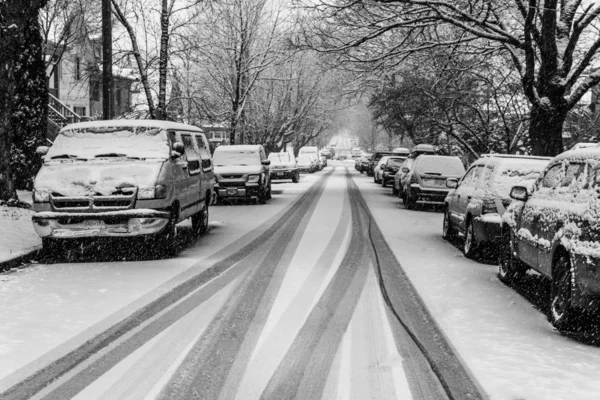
(93, 203)
(230, 176)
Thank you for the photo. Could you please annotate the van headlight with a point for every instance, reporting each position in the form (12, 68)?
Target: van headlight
(253, 178)
(41, 195)
(151, 192)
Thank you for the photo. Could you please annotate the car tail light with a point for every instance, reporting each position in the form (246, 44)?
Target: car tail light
(414, 179)
(489, 207)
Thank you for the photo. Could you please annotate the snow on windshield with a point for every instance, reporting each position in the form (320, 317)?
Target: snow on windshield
(121, 141)
(516, 172)
(446, 166)
(238, 157)
(280, 158)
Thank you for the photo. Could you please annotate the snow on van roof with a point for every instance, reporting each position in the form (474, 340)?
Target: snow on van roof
(238, 147)
(132, 122)
(580, 153)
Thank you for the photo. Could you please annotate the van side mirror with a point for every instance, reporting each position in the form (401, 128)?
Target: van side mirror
(42, 150)
(405, 170)
(452, 183)
(519, 193)
(266, 162)
(178, 149)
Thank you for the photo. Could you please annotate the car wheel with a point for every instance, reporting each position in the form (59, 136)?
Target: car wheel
(200, 221)
(394, 191)
(448, 231)
(383, 182)
(510, 269)
(262, 198)
(470, 246)
(165, 241)
(296, 177)
(374, 178)
(563, 315)
(409, 201)
(269, 195)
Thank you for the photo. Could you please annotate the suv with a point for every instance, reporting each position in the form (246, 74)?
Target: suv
(242, 172)
(426, 180)
(554, 228)
(478, 201)
(123, 178)
(283, 166)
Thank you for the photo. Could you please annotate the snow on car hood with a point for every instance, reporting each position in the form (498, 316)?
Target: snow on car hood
(89, 178)
(238, 169)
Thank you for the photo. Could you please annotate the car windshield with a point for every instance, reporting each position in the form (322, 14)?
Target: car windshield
(280, 158)
(112, 142)
(237, 157)
(442, 166)
(304, 159)
(515, 172)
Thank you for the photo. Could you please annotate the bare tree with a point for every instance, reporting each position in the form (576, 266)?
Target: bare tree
(552, 44)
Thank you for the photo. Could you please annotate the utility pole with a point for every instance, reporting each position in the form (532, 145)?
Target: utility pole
(107, 110)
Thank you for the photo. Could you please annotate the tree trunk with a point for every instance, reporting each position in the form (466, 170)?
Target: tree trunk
(545, 130)
(163, 63)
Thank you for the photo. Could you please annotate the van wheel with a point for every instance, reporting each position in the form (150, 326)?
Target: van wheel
(563, 315)
(409, 202)
(471, 245)
(448, 231)
(296, 177)
(394, 191)
(165, 241)
(383, 182)
(262, 198)
(510, 269)
(269, 196)
(200, 221)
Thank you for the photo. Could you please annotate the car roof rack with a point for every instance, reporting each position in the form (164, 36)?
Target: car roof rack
(516, 156)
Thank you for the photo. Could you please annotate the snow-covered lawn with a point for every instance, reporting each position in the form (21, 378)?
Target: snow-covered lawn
(17, 236)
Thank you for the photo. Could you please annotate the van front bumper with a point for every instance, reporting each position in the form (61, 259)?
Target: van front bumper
(123, 223)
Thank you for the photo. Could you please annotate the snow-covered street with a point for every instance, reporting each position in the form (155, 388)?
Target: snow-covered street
(304, 297)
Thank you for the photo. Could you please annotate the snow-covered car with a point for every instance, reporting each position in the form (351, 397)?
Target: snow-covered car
(390, 169)
(363, 162)
(123, 178)
(283, 166)
(400, 176)
(242, 172)
(377, 172)
(425, 182)
(554, 228)
(479, 199)
(306, 163)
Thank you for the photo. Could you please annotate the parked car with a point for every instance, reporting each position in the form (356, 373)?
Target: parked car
(306, 163)
(425, 182)
(377, 172)
(324, 161)
(123, 178)
(422, 149)
(242, 172)
(283, 166)
(401, 151)
(554, 228)
(390, 169)
(479, 199)
(363, 162)
(375, 158)
(314, 150)
(400, 177)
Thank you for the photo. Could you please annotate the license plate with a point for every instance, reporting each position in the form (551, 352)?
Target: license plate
(435, 182)
(280, 173)
(232, 192)
(94, 224)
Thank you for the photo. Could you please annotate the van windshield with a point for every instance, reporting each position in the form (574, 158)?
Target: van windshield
(110, 142)
(239, 157)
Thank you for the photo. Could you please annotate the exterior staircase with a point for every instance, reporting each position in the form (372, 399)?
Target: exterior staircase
(59, 114)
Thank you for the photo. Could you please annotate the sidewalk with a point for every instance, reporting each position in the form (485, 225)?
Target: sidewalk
(17, 236)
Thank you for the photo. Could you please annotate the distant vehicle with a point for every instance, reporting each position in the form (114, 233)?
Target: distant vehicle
(401, 151)
(553, 228)
(479, 199)
(426, 181)
(324, 161)
(377, 173)
(283, 166)
(362, 163)
(242, 172)
(400, 177)
(356, 152)
(123, 178)
(375, 160)
(390, 168)
(309, 150)
(328, 153)
(306, 163)
(422, 149)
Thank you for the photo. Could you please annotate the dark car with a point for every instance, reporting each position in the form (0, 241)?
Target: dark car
(479, 199)
(554, 228)
(389, 170)
(375, 160)
(425, 182)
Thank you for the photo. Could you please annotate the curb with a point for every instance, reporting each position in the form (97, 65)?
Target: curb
(19, 259)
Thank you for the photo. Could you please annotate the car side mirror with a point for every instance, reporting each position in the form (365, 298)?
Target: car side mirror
(452, 183)
(178, 149)
(519, 193)
(42, 150)
(266, 162)
(405, 170)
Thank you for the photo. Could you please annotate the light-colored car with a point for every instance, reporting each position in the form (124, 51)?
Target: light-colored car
(242, 172)
(306, 163)
(479, 199)
(284, 166)
(425, 182)
(389, 169)
(553, 227)
(377, 172)
(123, 178)
(400, 177)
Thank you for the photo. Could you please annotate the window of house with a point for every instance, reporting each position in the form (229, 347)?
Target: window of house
(77, 68)
(118, 98)
(95, 91)
(79, 111)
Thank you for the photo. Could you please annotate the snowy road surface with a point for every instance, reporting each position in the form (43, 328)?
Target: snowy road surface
(306, 297)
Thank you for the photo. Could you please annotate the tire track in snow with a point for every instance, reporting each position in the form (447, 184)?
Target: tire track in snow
(35, 383)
